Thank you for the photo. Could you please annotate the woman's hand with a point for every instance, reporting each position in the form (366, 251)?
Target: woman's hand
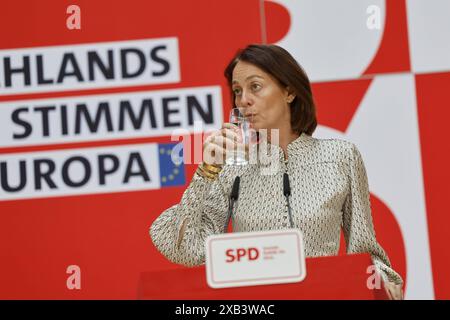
(394, 291)
(219, 142)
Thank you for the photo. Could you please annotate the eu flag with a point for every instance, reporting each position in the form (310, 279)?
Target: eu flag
(171, 165)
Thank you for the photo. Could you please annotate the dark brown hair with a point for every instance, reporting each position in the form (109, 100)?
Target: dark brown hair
(279, 63)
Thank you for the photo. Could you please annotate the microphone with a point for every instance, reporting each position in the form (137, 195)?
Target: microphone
(287, 194)
(232, 199)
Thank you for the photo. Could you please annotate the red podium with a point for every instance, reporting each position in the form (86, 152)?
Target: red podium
(337, 277)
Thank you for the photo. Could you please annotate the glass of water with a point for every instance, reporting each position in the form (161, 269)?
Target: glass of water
(239, 155)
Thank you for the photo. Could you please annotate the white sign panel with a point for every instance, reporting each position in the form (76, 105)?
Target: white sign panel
(83, 171)
(109, 116)
(89, 66)
(255, 258)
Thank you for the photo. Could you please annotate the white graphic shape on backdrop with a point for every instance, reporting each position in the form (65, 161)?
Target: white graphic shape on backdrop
(330, 39)
(428, 31)
(385, 130)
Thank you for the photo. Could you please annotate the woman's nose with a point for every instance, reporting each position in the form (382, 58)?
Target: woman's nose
(246, 99)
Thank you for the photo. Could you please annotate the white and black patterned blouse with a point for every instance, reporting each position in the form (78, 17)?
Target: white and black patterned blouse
(329, 191)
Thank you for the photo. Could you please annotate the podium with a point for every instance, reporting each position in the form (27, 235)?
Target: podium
(335, 277)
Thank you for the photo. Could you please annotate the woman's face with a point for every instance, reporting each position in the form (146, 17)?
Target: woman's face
(261, 97)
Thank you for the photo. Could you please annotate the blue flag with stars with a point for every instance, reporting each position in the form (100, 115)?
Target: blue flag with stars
(171, 167)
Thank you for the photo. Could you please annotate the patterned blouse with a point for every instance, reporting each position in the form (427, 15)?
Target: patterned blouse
(329, 191)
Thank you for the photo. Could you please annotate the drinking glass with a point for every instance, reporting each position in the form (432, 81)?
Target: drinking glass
(239, 155)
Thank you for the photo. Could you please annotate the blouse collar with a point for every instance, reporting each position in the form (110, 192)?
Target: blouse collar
(275, 152)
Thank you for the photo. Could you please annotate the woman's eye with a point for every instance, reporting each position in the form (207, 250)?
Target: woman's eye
(237, 91)
(255, 86)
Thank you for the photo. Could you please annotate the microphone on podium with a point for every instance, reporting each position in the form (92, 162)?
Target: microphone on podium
(287, 194)
(232, 199)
